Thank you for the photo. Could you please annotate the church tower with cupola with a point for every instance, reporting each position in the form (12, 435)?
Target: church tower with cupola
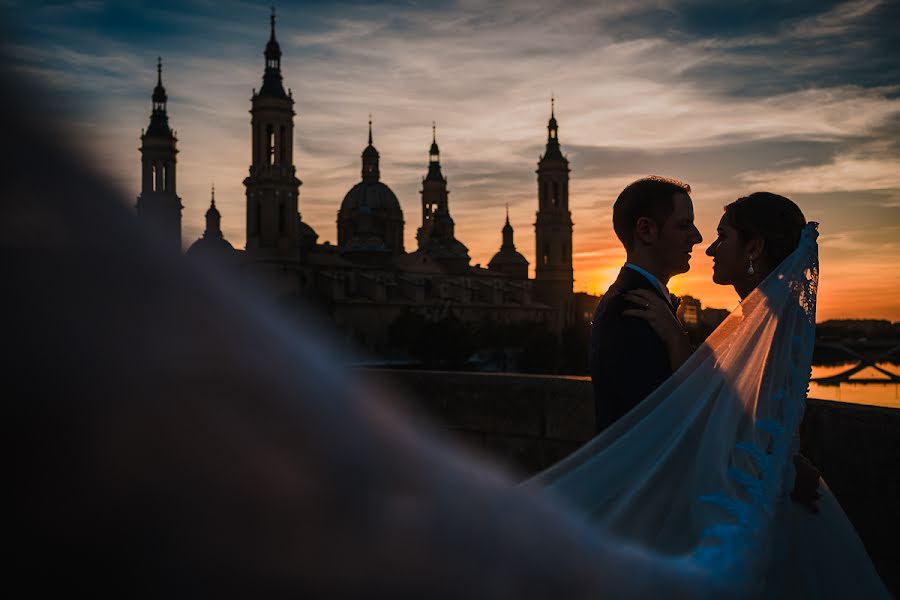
(272, 186)
(553, 229)
(158, 205)
(437, 236)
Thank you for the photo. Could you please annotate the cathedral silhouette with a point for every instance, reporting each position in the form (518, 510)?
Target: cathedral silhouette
(367, 280)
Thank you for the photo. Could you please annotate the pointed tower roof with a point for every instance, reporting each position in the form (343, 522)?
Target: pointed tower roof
(213, 218)
(159, 118)
(272, 77)
(434, 158)
(159, 92)
(508, 260)
(370, 170)
(212, 245)
(552, 150)
(508, 233)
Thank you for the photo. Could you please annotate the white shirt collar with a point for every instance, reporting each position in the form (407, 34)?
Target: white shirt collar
(656, 282)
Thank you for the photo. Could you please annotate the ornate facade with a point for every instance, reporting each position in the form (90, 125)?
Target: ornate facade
(368, 280)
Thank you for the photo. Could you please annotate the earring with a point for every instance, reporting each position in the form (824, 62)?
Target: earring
(750, 268)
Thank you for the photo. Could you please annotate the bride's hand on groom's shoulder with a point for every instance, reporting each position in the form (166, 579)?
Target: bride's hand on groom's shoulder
(654, 310)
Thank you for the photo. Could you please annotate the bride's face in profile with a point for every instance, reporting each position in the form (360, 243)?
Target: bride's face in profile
(731, 257)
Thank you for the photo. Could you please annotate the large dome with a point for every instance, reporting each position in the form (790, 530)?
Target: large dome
(211, 248)
(374, 194)
(507, 257)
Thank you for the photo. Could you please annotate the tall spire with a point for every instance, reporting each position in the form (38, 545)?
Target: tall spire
(434, 158)
(159, 119)
(158, 204)
(159, 92)
(213, 218)
(553, 150)
(370, 171)
(507, 234)
(272, 77)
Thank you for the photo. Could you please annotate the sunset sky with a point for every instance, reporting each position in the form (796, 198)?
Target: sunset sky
(798, 98)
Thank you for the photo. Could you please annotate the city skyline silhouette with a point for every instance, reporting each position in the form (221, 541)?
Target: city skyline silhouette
(821, 136)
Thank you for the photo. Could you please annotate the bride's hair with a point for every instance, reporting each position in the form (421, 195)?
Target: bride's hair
(773, 218)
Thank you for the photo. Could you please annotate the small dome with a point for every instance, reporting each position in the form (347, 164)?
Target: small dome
(208, 247)
(374, 196)
(507, 257)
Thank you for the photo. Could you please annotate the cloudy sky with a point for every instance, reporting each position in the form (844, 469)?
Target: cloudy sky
(800, 98)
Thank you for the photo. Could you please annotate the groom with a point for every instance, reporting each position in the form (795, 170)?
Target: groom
(654, 219)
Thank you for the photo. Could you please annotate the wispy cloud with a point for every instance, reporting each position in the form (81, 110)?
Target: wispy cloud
(640, 88)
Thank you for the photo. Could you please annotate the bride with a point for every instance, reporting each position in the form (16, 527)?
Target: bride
(701, 471)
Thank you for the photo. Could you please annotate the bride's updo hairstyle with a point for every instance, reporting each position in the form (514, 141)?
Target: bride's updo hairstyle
(773, 218)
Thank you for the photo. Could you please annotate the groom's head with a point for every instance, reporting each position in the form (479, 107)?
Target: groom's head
(654, 219)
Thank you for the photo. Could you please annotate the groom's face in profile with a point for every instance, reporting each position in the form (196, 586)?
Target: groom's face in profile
(678, 236)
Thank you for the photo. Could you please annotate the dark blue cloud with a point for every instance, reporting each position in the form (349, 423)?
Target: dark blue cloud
(764, 48)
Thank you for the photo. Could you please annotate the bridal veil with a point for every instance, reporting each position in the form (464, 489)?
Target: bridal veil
(700, 471)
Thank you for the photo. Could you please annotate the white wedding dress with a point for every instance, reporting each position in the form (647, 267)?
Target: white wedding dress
(700, 471)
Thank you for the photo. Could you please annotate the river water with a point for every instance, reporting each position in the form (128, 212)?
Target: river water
(853, 391)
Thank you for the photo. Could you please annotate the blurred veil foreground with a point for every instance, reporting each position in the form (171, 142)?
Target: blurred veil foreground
(172, 436)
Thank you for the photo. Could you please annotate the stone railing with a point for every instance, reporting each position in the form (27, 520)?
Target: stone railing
(528, 422)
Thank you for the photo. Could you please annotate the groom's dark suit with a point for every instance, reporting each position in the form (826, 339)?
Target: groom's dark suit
(628, 359)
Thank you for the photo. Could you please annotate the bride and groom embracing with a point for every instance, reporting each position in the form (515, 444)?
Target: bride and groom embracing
(697, 452)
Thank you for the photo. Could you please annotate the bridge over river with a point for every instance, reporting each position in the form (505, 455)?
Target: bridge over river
(865, 360)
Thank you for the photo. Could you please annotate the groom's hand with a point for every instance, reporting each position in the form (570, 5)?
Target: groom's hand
(806, 484)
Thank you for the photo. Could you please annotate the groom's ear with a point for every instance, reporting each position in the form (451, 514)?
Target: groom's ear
(646, 230)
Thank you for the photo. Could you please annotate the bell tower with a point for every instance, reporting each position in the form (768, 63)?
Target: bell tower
(434, 197)
(272, 186)
(553, 228)
(158, 205)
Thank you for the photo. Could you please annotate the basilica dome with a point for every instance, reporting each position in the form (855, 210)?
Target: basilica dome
(370, 210)
(508, 260)
(213, 245)
(375, 195)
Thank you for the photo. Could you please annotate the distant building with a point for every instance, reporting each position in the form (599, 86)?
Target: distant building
(698, 320)
(689, 311)
(368, 279)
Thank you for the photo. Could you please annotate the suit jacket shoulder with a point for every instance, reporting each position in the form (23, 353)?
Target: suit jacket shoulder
(628, 360)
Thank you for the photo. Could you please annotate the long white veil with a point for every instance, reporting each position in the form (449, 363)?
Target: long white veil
(698, 470)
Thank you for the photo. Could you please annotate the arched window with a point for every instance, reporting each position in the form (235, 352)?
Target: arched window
(546, 258)
(270, 145)
(165, 177)
(153, 178)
